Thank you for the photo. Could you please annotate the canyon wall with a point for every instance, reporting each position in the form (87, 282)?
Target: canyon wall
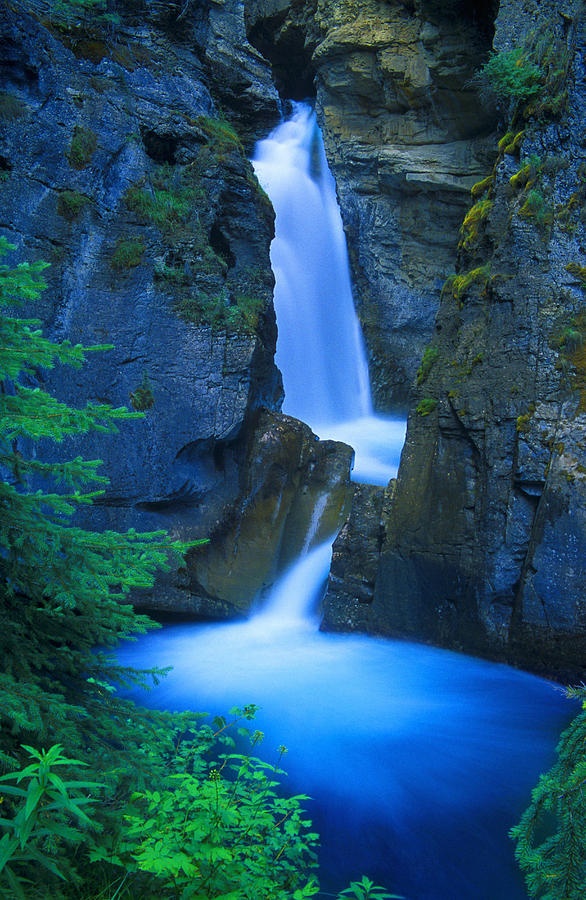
(124, 147)
(484, 544)
(118, 169)
(406, 139)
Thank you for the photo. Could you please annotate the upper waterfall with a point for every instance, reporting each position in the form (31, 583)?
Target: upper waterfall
(320, 349)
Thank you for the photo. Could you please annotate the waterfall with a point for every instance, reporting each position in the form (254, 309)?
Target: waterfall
(320, 349)
(419, 760)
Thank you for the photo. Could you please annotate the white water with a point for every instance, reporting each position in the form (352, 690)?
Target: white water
(320, 350)
(418, 760)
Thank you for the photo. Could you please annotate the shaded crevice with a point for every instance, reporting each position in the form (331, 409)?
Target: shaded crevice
(284, 45)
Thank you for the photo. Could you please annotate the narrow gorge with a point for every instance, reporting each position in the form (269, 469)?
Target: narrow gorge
(125, 153)
(324, 264)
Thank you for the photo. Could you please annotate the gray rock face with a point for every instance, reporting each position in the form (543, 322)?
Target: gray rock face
(406, 138)
(485, 544)
(117, 169)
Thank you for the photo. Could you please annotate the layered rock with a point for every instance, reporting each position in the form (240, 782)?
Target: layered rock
(406, 138)
(118, 170)
(485, 545)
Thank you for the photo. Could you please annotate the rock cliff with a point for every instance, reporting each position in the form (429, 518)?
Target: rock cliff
(406, 139)
(485, 536)
(118, 168)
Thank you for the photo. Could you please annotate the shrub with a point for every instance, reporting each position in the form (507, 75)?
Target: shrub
(82, 147)
(143, 398)
(70, 204)
(510, 75)
(127, 253)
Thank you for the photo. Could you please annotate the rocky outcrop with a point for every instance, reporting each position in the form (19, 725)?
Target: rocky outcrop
(118, 169)
(406, 138)
(485, 545)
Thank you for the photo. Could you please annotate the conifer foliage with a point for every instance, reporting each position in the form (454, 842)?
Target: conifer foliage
(63, 588)
(551, 835)
(162, 812)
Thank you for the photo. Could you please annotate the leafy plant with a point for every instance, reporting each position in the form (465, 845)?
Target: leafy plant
(550, 838)
(511, 75)
(365, 889)
(222, 831)
(82, 147)
(51, 814)
(127, 253)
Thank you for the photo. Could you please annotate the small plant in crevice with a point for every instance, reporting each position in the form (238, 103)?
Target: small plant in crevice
(83, 145)
(142, 398)
(537, 209)
(426, 406)
(70, 204)
(127, 254)
(430, 355)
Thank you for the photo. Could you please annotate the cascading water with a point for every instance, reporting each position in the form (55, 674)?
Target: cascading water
(320, 350)
(418, 760)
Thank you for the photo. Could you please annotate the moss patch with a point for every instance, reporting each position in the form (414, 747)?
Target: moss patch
(70, 204)
(82, 147)
(127, 254)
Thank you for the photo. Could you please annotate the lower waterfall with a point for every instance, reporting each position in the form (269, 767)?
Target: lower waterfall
(417, 760)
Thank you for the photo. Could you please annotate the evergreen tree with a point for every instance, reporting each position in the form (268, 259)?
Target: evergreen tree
(63, 589)
(551, 835)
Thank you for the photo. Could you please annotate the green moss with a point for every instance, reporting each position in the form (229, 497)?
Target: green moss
(473, 222)
(70, 204)
(430, 355)
(82, 147)
(578, 271)
(11, 107)
(537, 209)
(143, 398)
(482, 187)
(458, 285)
(127, 253)
(510, 143)
(524, 420)
(426, 406)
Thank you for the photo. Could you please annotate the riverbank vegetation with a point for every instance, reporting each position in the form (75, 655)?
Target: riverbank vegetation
(100, 797)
